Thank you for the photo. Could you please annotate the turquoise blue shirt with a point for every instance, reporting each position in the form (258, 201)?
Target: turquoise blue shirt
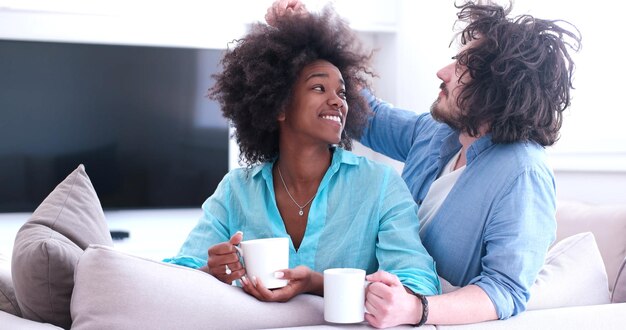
(362, 216)
(496, 224)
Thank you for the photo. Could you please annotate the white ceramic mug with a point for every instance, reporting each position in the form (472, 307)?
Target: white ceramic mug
(344, 295)
(263, 257)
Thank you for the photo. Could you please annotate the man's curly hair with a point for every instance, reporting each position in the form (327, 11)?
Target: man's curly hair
(521, 74)
(260, 72)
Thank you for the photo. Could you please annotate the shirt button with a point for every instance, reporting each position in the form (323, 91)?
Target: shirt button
(419, 202)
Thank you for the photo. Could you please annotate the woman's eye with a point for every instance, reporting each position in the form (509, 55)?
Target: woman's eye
(319, 88)
(343, 94)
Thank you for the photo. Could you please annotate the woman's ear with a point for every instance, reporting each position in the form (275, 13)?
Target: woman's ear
(281, 116)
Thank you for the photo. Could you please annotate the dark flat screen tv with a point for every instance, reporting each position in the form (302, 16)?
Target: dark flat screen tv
(137, 117)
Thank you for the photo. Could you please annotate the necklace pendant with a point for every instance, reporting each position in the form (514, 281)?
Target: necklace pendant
(300, 212)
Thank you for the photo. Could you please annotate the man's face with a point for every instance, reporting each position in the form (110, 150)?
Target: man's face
(446, 109)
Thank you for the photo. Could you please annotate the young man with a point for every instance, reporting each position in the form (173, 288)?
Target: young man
(476, 165)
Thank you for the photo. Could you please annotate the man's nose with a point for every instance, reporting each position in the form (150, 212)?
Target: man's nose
(446, 72)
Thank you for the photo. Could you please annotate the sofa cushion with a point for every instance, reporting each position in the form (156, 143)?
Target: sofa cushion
(606, 222)
(619, 288)
(605, 317)
(116, 290)
(48, 245)
(573, 275)
(8, 302)
(12, 322)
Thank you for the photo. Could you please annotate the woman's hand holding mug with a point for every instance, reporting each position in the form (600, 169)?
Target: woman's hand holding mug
(223, 262)
(301, 279)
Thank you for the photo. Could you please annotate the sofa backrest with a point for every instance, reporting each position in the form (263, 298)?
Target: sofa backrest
(606, 222)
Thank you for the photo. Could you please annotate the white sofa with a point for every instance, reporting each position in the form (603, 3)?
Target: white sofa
(65, 273)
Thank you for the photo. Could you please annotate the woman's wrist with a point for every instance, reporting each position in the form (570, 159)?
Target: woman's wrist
(205, 269)
(316, 285)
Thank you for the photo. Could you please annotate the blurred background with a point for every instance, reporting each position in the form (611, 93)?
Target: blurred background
(413, 40)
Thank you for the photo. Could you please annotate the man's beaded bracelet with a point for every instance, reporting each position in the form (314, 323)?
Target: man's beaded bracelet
(424, 301)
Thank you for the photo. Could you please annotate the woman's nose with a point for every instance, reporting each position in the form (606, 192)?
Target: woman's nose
(335, 101)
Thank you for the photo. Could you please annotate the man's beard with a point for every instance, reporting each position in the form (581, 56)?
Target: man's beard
(442, 116)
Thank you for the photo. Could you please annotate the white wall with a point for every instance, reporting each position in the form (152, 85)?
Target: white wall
(592, 186)
(413, 37)
(590, 159)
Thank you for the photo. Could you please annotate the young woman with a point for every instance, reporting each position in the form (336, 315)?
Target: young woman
(291, 92)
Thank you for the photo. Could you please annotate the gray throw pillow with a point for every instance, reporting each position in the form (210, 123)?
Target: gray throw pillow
(8, 302)
(49, 244)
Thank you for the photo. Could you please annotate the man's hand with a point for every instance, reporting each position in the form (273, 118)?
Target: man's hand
(223, 262)
(388, 303)
(284, 7)
(301, 279)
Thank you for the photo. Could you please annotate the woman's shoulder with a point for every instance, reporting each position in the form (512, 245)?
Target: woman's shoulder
(245, 174)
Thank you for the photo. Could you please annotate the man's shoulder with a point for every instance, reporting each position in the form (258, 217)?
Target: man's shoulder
(522, 156)
(524, 151)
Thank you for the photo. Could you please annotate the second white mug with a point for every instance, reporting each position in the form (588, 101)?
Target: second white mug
(344, 295)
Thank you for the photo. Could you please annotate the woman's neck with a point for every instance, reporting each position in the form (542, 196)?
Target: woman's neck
(303, 167)
(298, 173)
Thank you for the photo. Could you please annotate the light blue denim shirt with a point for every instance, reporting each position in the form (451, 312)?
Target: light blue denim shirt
(496, 224)
(362, 216)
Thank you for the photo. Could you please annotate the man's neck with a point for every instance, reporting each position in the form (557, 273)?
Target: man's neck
(466, 141)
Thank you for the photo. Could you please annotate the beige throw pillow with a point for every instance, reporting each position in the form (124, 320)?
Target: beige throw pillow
(48, 246)
(116, 290)
(573, 275)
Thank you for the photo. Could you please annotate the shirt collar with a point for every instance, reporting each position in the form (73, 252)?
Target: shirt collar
(450, 145)
(480, 145)
(340, 156)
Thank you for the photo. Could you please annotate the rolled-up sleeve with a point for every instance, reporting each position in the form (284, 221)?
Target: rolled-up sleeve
(517, 238)
(211, 229)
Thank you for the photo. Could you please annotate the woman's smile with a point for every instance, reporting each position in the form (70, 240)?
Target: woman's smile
(335, 119)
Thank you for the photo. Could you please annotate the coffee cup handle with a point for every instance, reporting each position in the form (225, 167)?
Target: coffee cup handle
(366, 283)
(240, 252)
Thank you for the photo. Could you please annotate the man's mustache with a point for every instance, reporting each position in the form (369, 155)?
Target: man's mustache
(444, 89)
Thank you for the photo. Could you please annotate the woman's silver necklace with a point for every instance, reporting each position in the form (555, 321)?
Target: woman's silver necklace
(288, 193)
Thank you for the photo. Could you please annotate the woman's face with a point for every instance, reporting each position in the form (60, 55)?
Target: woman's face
(318, 110)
